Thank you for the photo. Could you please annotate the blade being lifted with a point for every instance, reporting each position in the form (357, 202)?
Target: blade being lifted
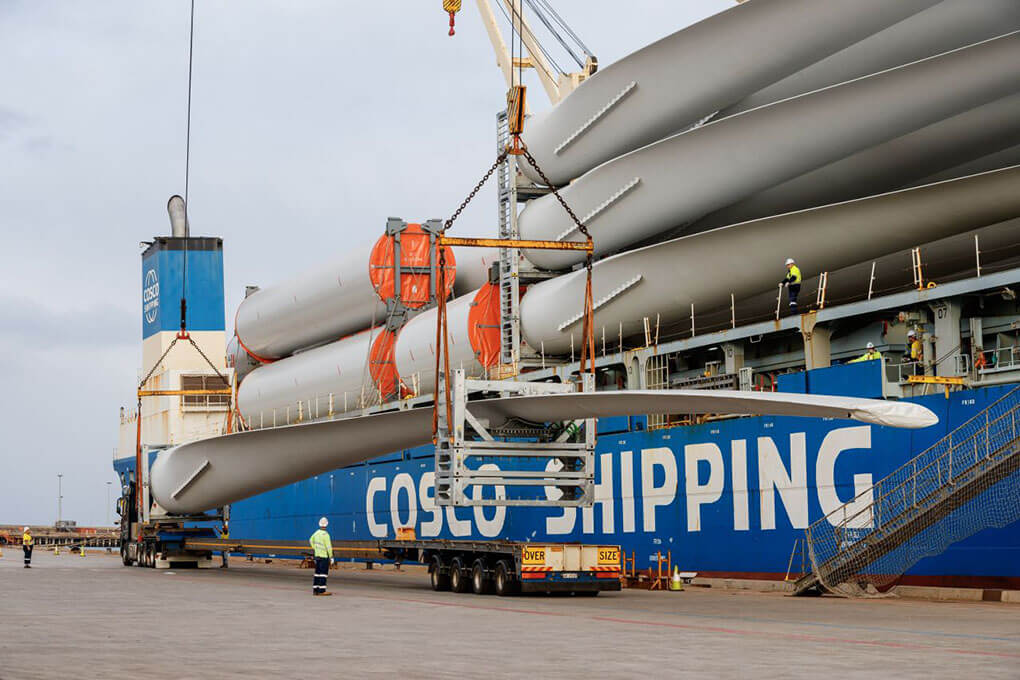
(210, 473)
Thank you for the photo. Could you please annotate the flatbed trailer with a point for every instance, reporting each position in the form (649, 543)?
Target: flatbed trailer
(501, 567)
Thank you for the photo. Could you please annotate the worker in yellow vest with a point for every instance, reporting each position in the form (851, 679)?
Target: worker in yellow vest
(323, 548)
(915, 350)
(792, 282)
(870, 355)
(26, 544)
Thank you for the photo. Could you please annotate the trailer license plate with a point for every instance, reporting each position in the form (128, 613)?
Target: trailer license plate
(568, 575)
(609, 556)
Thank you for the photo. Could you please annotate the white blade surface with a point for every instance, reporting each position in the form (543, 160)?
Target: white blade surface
(213, 472)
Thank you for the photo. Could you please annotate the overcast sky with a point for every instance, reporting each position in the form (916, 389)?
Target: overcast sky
(312, 121)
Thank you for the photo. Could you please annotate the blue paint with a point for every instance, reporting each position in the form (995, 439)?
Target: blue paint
(860, 379)
(368, 500)
(162, 271)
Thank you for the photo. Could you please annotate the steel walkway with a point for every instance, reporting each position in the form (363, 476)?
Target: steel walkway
(966, 482)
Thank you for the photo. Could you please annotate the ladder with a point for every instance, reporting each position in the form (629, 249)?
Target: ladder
(509, 258)
(965, 482)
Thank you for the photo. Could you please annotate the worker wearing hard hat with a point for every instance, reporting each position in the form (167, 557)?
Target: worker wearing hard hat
(870, 355)
(26, 544)
(323, 548)
(792, 283)
(915, 350)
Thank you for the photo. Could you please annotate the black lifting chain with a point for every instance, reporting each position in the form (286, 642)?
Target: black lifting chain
(481, 182)
(198, 349)
(531, 159)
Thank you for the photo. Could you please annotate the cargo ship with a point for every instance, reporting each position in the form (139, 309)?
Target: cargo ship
(907, 224)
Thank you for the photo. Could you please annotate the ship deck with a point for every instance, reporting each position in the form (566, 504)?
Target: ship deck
(256, 620)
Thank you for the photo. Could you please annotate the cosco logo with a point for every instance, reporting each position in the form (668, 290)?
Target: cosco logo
(150, 296)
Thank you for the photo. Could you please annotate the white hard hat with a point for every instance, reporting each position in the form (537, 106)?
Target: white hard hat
(323, 523)
(911, 334)
(871, 345)
(25, 529)
(789, 260)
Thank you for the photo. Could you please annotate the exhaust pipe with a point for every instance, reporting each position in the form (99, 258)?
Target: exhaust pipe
(178, 217)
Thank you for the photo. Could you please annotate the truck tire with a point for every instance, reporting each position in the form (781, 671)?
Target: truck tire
(459, 581)
(504, 581)
(481, 584)
(439, 580)
(124, 557)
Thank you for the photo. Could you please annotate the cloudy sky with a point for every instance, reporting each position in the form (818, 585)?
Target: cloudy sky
(312, 121)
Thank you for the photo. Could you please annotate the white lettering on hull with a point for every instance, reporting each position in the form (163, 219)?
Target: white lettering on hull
(705, 484)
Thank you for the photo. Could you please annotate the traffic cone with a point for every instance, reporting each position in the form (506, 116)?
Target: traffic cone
(56, 550)
(676, 583)
(81, 551)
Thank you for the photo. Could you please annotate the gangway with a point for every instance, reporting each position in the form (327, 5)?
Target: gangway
(965, 482)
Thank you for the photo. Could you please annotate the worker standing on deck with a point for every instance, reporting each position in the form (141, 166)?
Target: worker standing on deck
(323, 548)
(792, 283)
(870, 355)
(915, 350)
(26, 544)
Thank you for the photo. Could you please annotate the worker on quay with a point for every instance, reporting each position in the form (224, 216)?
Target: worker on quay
(26, 544)
(870, 355)
(323, 548)
(792, 282)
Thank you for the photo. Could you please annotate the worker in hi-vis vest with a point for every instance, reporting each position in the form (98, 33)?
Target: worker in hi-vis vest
(323, 548)
(26, 544)
(915, 350)
(870, 355)
(792, 282)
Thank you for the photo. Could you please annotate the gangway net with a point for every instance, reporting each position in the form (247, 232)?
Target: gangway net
(966, 482)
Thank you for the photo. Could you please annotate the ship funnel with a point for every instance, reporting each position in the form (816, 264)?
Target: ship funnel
(178, 216)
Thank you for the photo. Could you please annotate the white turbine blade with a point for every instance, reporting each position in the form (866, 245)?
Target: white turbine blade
(244, 464)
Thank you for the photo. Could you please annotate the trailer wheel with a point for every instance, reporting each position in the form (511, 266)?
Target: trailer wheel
(439, 580)
(504, 580)
(459, 582)
(480, 582)
(124, 557)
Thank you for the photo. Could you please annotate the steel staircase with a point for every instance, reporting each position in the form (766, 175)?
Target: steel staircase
(966, 482)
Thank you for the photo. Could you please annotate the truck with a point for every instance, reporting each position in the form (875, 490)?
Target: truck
(498, 566)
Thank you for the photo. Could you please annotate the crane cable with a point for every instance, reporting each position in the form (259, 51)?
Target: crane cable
(515, 100)
(187, 178)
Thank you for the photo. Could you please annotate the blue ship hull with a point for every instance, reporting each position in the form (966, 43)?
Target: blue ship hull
(727, 498)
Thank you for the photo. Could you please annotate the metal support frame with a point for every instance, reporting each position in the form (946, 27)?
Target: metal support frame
(467, 441)
(396, 310)
(509, 258)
